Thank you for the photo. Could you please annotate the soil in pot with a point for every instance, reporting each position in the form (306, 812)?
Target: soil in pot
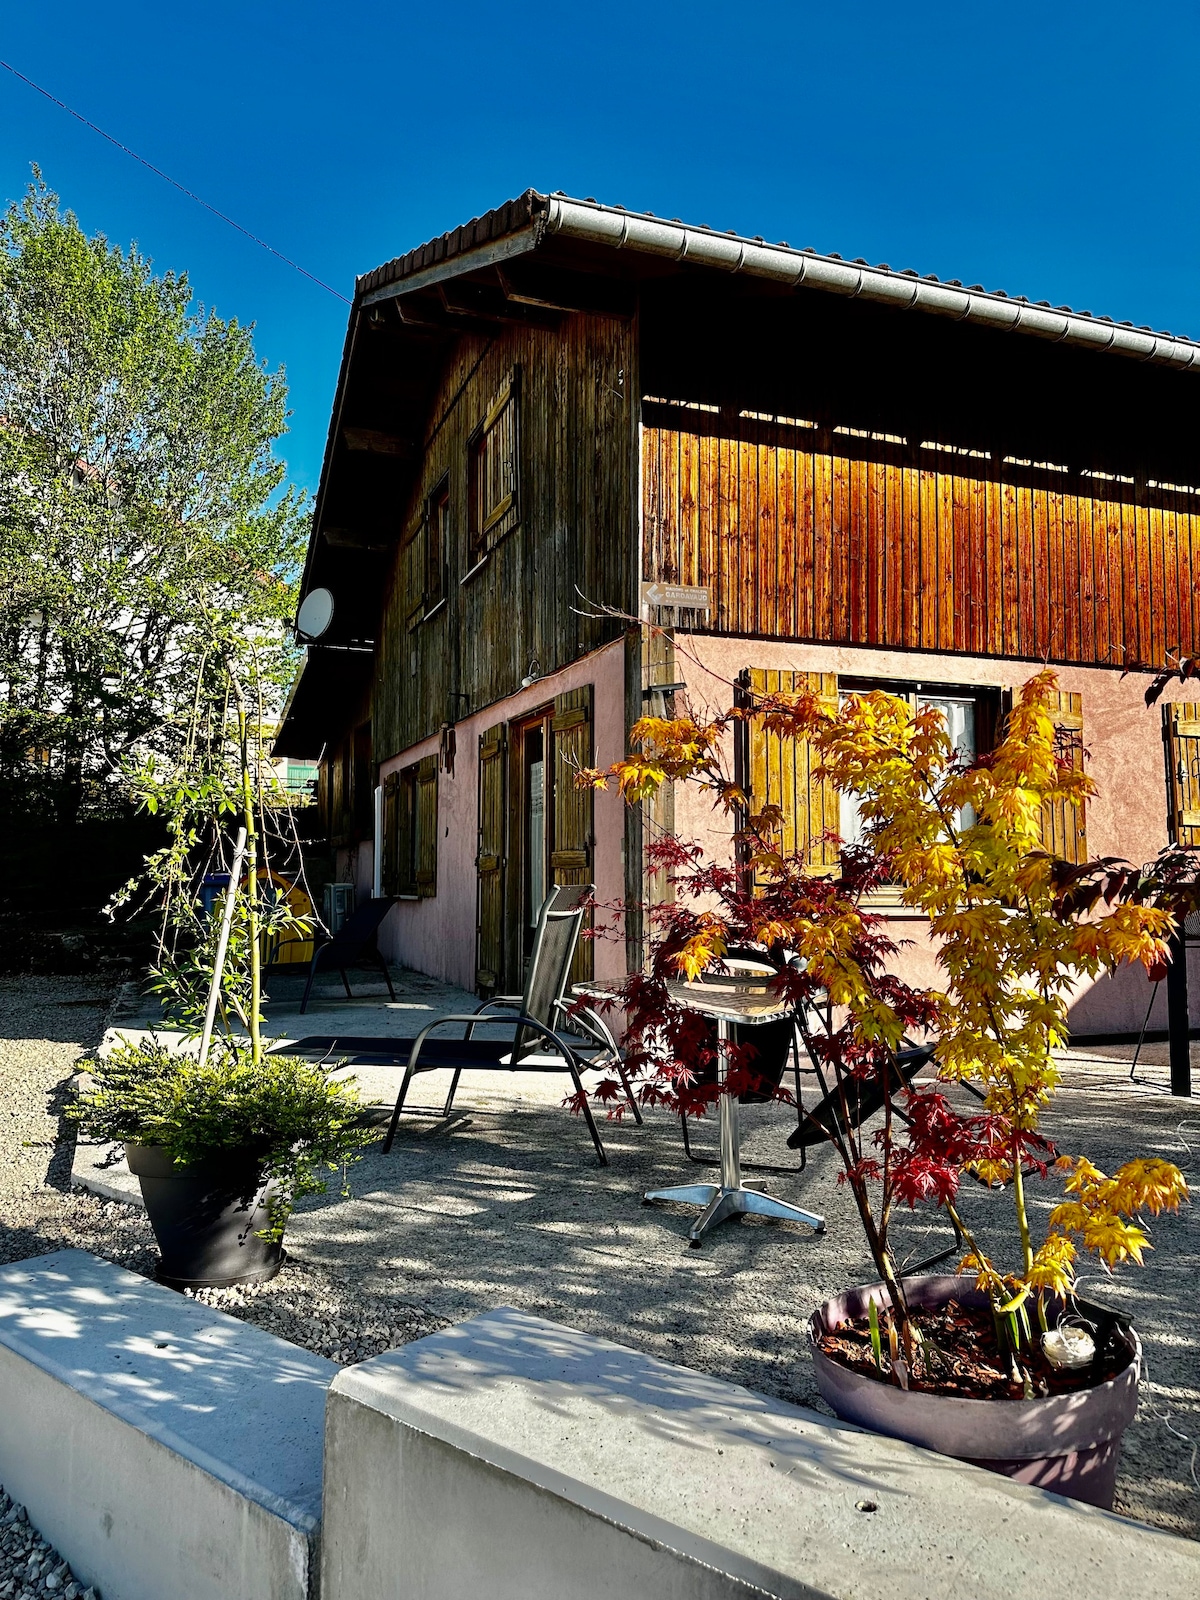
(1067, 1439)
(208, 1219)
(963, 1359)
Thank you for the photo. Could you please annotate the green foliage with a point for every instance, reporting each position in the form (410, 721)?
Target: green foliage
(141, 504)
(221, 776)
(873, 1323)
(283, 1116)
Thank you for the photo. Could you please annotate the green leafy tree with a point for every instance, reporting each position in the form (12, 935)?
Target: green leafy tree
(142, 508)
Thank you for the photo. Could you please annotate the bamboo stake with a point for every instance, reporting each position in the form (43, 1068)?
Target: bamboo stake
(239, 850)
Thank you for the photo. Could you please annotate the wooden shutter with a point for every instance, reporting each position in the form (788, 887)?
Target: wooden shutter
(1064, 826)
(499, 465)
(1182, 731)
(489, 859)
(572, 852)
(389, 877)
(782, 772)
(425, 806)
(412, 556)
(406, 832)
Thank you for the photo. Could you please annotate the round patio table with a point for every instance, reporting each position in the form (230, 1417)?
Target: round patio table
(728, 1001)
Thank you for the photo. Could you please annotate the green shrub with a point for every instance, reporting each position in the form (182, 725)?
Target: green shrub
(284, 1118)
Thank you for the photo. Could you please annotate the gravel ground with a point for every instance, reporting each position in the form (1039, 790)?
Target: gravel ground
(28, 1566)
(506, 1207)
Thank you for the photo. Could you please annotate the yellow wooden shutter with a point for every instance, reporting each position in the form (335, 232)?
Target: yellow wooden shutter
(489, 858)
(427, 827)
(1064, 826)
(572, 853)
(782, 772)
(1183, 772)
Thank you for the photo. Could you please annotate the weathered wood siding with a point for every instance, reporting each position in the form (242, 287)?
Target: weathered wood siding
(809, 534)
(571, 543)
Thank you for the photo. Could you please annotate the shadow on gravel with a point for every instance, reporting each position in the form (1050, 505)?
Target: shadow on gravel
(29, 1009)
(58, 1169)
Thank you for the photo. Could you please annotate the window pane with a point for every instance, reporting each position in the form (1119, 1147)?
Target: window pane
(850, 819)
(958, 716)
(537, 838)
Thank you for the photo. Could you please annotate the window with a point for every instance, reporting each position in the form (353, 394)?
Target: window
(437, 544)
(410, 823)
(970, 717)
(785, 773)
(425, 549)
(492, 506)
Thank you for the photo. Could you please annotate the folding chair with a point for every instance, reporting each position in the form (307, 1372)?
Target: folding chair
(353, 945)
(537, 1037)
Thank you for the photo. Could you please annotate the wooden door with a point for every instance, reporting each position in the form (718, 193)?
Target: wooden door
(573, 843)
(530, 833)
(490, 859)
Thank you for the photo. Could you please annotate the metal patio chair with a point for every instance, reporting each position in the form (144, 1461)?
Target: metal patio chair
(353, 945)
(541, 1035)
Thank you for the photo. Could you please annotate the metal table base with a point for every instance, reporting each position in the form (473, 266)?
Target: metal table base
(730, 1197)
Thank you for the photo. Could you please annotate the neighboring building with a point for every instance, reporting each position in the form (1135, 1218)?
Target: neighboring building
(563, 414)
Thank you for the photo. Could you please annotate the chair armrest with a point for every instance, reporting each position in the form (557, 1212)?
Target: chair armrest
(518, 1022)
(509, 1002)
(592, 1025)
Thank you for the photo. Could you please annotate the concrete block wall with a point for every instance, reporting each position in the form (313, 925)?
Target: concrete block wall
(515, 1458)
(167, 1451)
(171, 1452)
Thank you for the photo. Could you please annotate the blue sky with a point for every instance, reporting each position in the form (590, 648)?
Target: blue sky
(1050, 151)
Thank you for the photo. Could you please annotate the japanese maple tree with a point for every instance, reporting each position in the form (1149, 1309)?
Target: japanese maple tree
(1016, 930)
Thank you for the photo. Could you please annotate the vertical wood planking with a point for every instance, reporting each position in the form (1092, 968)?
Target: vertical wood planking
(786, 592)
(797, 542)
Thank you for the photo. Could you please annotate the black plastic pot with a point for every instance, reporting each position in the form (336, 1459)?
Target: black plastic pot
(207, 1219)
(1068, 1442)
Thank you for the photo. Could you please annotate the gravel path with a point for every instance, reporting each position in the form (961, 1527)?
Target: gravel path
(502, 1207)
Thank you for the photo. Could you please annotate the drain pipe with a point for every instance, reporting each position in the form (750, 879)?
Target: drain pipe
(675, 240)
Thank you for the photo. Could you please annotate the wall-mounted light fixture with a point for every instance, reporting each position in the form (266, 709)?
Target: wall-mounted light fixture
(534, 673)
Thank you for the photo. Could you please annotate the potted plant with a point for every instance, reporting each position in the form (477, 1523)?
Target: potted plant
(222, 1150)
(223, 1136)
(982, 1364)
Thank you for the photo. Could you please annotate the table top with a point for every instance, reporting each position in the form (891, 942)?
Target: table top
(749, 1001)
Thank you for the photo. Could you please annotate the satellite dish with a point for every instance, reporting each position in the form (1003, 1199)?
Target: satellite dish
(315, 614)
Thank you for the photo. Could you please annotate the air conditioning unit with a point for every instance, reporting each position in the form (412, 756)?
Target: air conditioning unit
(339, 905)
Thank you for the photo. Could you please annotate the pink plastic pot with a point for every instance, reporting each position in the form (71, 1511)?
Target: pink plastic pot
(1068, 1442)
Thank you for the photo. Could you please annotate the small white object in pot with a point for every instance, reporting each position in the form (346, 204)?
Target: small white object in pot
(1068, 1347)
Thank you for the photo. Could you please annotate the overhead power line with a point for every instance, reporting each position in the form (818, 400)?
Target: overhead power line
(167, 178)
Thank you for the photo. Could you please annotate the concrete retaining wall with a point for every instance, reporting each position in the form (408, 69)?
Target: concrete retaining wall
(164, 1449)
(170, 1452)
(514, 1458)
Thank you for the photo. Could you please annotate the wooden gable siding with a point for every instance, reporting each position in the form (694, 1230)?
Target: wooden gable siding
(818, 541)
(571, 542)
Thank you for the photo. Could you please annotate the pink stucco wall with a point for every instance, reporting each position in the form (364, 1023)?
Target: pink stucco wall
(438, 935)
(1127, 817)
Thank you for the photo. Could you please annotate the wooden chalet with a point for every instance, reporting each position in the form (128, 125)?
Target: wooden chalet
(562, 415)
